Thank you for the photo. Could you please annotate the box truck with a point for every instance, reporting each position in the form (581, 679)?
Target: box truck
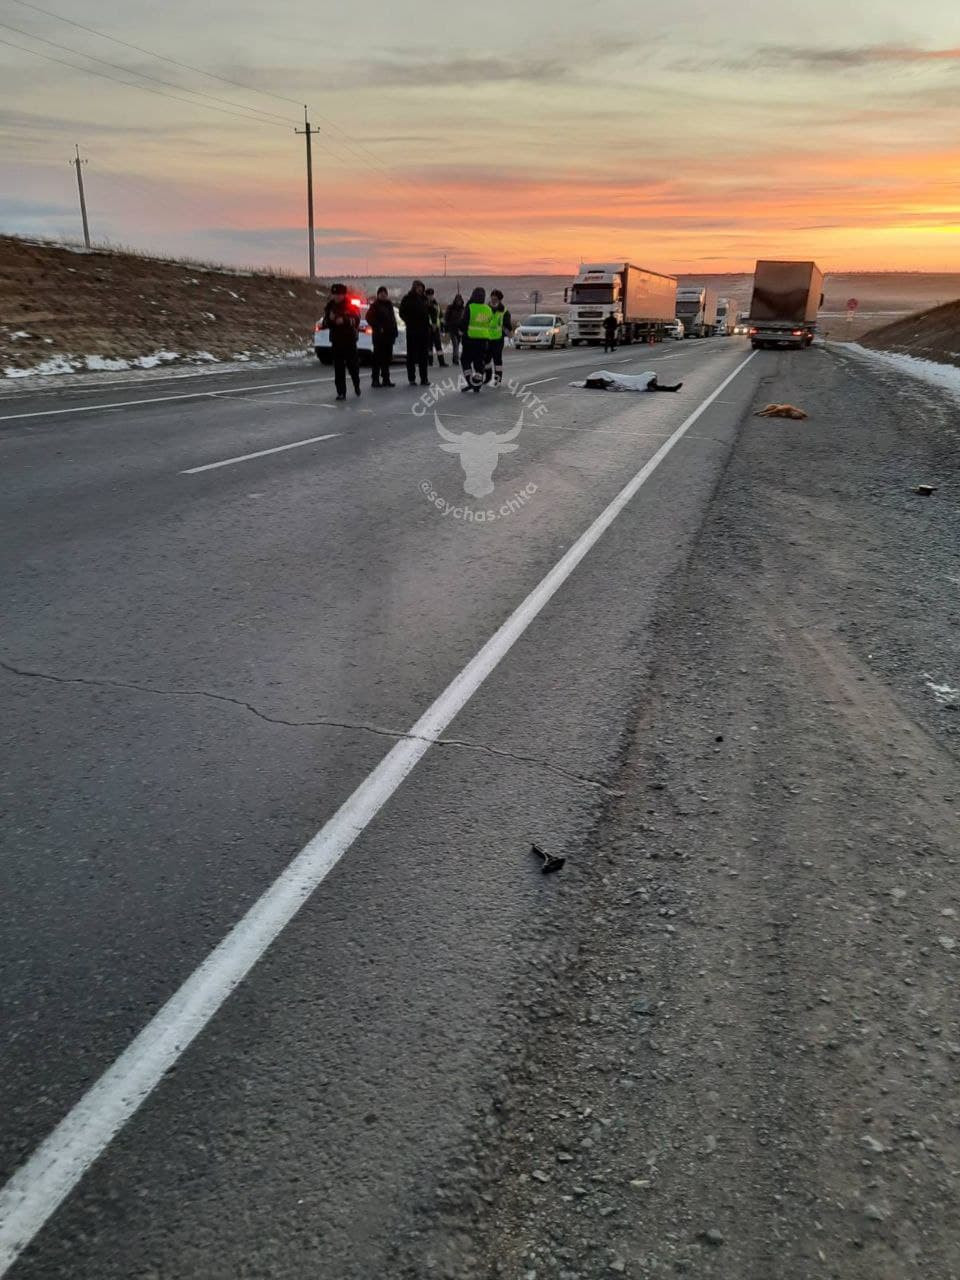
(785, 302)
(642, 301)
(697, 308)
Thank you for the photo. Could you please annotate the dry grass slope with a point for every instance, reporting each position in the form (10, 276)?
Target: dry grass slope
(930, 335)
(59, 301)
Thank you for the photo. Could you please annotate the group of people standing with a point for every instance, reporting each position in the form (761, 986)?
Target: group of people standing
(477, 330)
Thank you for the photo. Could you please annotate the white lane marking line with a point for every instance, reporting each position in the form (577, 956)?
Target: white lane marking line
(540, 380)
(183, 395)
(53, 1170)
(261, 453)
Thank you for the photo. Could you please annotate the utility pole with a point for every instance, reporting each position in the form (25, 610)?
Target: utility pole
(308, 132)
(83, 204)
(444, 266)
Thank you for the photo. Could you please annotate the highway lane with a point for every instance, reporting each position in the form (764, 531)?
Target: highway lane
(217, 660)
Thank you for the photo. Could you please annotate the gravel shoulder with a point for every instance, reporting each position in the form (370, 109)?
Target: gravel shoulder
(738, 1056)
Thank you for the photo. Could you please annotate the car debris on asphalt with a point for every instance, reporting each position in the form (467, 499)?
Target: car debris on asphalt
(550, 862)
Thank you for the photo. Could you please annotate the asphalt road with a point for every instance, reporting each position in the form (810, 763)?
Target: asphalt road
(200, 664)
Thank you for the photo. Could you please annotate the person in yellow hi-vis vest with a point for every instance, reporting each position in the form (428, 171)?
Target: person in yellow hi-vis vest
(501, 326)
(477, 329)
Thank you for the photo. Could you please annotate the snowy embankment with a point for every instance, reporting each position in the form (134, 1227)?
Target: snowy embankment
(67, 314)
(136, 366)
(95, 364)
(945, 376)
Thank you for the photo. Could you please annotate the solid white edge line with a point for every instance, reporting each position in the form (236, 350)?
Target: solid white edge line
(40, 1185)
(183, 395)
(261, 453)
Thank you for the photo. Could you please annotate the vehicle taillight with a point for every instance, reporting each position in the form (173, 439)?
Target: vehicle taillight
(318, 327)
(797, 333)
(356, 302)
(753, 331)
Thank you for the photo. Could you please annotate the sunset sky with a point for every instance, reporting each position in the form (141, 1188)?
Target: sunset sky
(687, 137)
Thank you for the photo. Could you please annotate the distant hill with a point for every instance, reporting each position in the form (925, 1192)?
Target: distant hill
(931, 335)
(65, 309)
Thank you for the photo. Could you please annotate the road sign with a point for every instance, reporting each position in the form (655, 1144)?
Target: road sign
(852, 304)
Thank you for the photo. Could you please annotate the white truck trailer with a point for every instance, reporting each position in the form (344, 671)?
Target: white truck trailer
(642, 302)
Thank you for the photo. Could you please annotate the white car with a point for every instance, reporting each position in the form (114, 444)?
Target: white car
(541, 331)
(674, 329)
(321, 336)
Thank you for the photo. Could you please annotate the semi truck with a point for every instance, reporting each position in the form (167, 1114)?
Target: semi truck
(785, 302)
(697, 308)
(724, 323)
(642, 301)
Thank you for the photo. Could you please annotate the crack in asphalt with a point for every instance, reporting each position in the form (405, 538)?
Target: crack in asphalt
(325, 722)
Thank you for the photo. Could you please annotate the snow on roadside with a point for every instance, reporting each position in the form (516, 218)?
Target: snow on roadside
(15, 381)
(93, 364)
(158, 357)
(945, 376)
(945, 694)
(45, 369)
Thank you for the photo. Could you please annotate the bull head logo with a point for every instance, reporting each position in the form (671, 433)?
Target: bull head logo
(479, 453)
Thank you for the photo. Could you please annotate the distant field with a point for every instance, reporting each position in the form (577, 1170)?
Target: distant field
(63, 310)
(882, 296)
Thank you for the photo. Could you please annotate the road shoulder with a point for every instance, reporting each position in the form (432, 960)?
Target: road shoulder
(741, 1057)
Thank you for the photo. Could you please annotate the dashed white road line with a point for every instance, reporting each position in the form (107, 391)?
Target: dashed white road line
(41, 1184)
(261, 453)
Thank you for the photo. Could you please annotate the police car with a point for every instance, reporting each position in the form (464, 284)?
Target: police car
(321, 335)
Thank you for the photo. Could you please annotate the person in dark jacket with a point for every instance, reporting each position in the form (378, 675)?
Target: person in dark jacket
(343, 322)
(610, 332)
(415, 314)
(436, 339)
(382, 320)
(475, 329)
(452, 319)
(501, 327)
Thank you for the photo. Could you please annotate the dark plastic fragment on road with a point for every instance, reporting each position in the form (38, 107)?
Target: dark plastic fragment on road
(550, 863)
(925, 490)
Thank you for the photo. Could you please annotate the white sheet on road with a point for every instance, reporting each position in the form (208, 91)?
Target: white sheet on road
(620, 381)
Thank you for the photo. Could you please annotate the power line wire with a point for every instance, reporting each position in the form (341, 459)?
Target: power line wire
(255, 112)
(184, 66)
(130, 84)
